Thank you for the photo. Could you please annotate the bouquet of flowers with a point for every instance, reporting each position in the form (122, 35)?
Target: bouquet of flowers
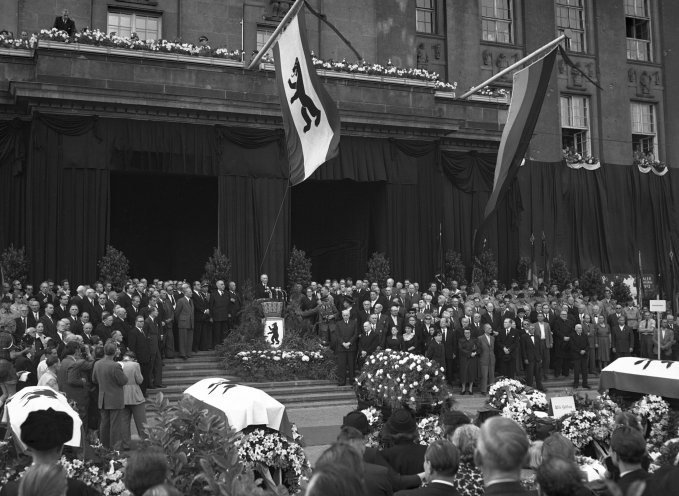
(579, 427)
(429, 430)
(375, 422)
(502, 392)
(107, 479)
(399, 379)
(493, 91)
(269, 448)
(594, 469)
(519, 411)
(655, 412)
(573, 157)
(7, 41)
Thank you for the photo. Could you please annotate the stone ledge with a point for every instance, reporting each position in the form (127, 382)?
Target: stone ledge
(17, 52)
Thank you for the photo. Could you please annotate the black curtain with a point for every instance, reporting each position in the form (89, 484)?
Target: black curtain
(13, 139)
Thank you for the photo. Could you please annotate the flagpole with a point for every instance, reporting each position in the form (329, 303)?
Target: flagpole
(293, 11)
(515, 65)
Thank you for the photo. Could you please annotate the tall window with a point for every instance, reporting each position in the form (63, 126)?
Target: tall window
(263, 35)
(575, 135)
(425, 16)
(570, 14)
(644, 130)
(496, 20)
(638, 23)
(147, 27)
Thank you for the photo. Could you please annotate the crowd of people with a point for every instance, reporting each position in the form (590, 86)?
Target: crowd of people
(476, 336)
(491, 456)
(103, 349)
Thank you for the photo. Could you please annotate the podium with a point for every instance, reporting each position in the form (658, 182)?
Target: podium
(274, 323)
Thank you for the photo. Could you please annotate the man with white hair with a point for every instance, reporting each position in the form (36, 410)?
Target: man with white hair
(79, 298)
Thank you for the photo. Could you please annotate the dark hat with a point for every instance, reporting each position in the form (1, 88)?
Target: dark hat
(348, 299)
(401, 422)
(454, 417)
(358, 420)
(6, 299)
(44, 430)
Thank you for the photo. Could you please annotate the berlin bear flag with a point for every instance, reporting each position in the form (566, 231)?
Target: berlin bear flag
(310, 117)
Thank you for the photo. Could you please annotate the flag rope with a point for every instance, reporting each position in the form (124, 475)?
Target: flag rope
(273, 229)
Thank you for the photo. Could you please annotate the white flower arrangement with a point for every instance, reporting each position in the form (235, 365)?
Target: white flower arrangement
(274, 450)
(498, 396)
(578, 427)
(519, 411)
(429, 430)
(655, 412)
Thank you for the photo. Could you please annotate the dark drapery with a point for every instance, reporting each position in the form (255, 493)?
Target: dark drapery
(13, 137)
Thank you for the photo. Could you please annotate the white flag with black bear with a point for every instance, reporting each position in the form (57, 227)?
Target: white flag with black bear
(310, 118)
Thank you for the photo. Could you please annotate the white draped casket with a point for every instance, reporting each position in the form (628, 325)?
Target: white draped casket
(641, 375)
(242, 406)
(35, 398)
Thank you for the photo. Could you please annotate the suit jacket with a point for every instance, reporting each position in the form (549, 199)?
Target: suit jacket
(613, 319)
(138, 342)
(486, 351)
(377, 480)
(60, 313)
(506, 489)
(369, 343)
(665, 343)
(406, 458)
(636, 475)
(183, 314)
(50, 326)
(97, 312)
(432, 489)
(111, 379)
(398, 323)
(578, 344)
(68, 26)
(103, 331)
(494, 319)
(529, 351)
(261, 292)
(90, 307)
(70, 378)
(20, 327)
(451, 343)
(32, 321)
(622, 339)
(75, 325)
(45, 298)
(507, 340)
(120, 325)
(345, 333)
(547, 331)
(200, 304)
(124, 300)
(152, 332)
(132, 314)
(219, 306)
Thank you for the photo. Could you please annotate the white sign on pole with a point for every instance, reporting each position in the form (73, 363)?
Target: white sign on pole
(657, 305)
(563, 405)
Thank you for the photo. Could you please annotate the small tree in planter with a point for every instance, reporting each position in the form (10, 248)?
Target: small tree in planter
(592, 283)
(621, 292)
(522, 269)
(15, 264)
(560, 273)
(379, 269)
(217, 268)
(485, 268)
(299, 269)
(114, 267)
(455, 269)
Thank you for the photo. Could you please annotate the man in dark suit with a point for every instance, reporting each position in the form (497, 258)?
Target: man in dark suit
(134, 310)
(614, 317)
(450, 345)
(100, 307)
(580, 356)
(167, 349)
(184, 315)
(49, 321)
(492, 317)
(501, 450)
(369, 342)
(262, 290)
(61, 310)
(153, 336)
(119, 322)
(89, 303)
(441, 461)
(125, 298)
(110, 377)
(21, 323)
(235, 304)
(561, 332)
(628, 448)
(532, 349)
(394, 319)
(375, 477)
(34, 312)
(622, 339)
(105, 328)
(201, 319)
(345, 338)
(507, 348)
(65, 23)
(138, 341)
(476, 325)
(219, 311)
(44, 296)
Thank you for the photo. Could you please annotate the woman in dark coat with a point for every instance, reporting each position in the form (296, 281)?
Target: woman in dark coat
(469, 361)
(404, 453)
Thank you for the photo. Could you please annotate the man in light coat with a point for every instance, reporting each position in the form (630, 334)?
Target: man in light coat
(183, 314)
(486, 357)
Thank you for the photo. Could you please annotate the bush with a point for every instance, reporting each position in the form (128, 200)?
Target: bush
(592, 283)
(485, 268)
(379, 269)
(522, 270)
(114, 267)
(397, 379)
(15, 264)
(621, 292)
(217, 267)
(299, 269)
(454, 268)
(560, 274)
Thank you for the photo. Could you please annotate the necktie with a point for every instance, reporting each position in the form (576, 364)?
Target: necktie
(532, 337)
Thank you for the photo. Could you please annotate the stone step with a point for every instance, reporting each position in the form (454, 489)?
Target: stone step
(189, 365)
(343, 397)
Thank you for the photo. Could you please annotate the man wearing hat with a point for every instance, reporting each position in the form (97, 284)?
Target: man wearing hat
(45, 432)
(405, 454)
(358, 420)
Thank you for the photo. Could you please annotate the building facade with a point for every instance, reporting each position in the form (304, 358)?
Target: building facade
(166, 155)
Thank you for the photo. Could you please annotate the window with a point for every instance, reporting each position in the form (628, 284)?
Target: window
(496, 20)
(575, 136)
(425, 18)
(638, 24)
(147, 27)
(263, 35)
(570, 14)
(644, 131)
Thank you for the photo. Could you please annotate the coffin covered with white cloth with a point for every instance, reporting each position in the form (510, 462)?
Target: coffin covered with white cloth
(243, 406)
(35, 398)
(641, 375)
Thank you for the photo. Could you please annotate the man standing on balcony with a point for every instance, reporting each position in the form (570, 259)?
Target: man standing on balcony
(65, 23)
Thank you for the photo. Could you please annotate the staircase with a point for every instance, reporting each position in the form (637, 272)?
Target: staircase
(179, 374)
